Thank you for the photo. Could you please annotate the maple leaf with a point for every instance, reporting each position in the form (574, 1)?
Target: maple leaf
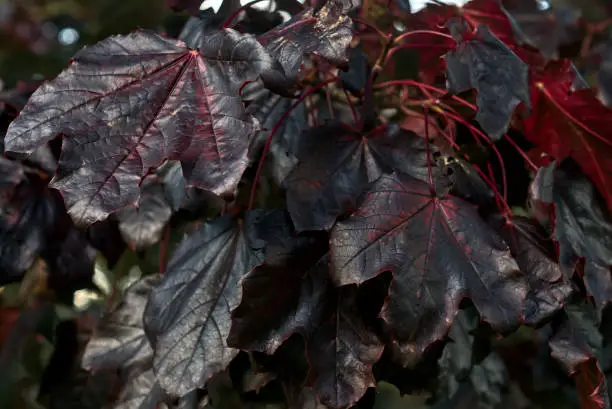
(336, 335)
(335, 164)
(188, 317)
(575, 345)
(129, 102)
(483, 62)
(439, 250)
(571, 122)
(581, 226)
(434, 17)
(325, 31)
(264, 318)
(534, 251)
(341, 352)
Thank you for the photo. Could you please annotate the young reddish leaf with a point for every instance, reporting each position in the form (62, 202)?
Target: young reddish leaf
(501, 79)
(567, 122)
(434, 17)
(341, 352)
(264, 318)
(142, 225)
(575, 345)
(439, 250)
(188, 316)
(582, 226)
(534, 251)
(119, 341)
(129, 102)
(335, 164)
(326, 32)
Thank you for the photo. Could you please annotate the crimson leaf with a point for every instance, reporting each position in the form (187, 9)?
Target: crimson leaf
(129, 102)
(326, 32)
(335, 165)
(481, 61)
(439, 250)
(581, 224)
(188, 317)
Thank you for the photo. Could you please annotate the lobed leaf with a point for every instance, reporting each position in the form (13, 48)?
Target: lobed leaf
(439, 250)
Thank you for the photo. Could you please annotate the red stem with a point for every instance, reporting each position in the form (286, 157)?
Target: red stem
(423, 86)
(351, 105)
(430, 32)
(266, 148)
(521, 152)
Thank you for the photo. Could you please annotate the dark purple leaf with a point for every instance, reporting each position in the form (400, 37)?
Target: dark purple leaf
(326, 32)
(33, 222)
(129, 102)
(534, 251)
(119, 340)
(335, 165)
(581, 224)
(439, 250)
(481, 61)
(341, 352)
(265, 319)
(142, 225)
(188, 316)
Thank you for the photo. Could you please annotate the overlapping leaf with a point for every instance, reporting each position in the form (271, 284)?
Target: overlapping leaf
(534, 251)
(439, 250)
(326, 32)
(341, 352)
(188, 317)
(266, 318)
(483, 62)
(567, 122)
(335, 164)
(582, 227)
